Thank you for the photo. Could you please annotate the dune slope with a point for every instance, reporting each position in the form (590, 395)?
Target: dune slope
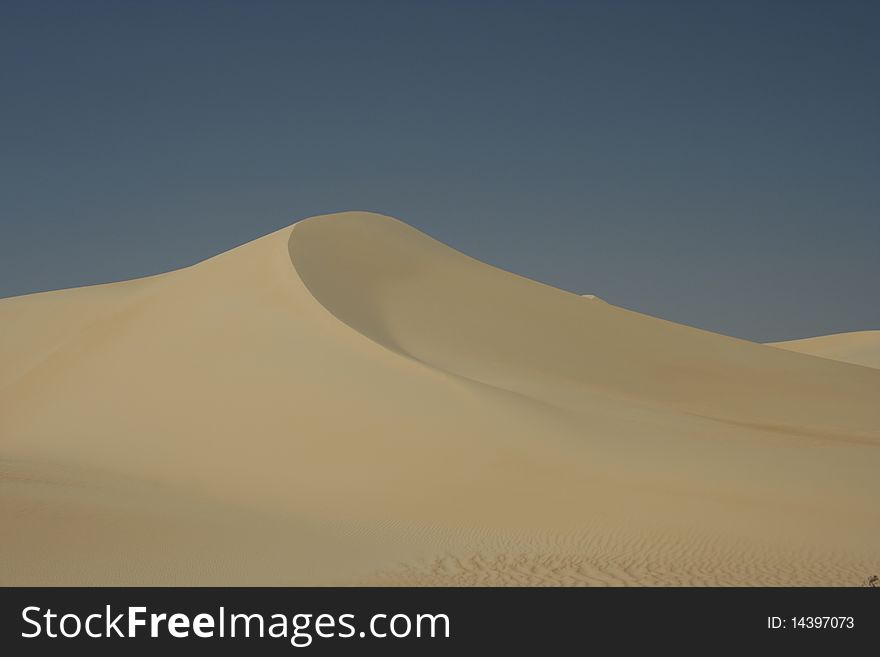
(349, 401)
(859, 347)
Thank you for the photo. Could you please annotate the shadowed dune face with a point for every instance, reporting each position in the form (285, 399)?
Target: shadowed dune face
(424, 300)
(349, 401)
(858, 348)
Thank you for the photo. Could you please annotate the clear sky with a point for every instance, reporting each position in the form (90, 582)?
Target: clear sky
(713, 163)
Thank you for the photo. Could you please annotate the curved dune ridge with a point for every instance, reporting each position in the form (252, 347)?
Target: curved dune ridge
(858, 347)
(348, 401)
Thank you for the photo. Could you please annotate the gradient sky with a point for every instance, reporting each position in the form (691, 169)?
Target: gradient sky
(713, 163)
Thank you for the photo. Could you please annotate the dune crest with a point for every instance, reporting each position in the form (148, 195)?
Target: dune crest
(858, 348)
(350, 401)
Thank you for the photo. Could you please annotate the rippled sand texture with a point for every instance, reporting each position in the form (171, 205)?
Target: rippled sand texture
(348, 401)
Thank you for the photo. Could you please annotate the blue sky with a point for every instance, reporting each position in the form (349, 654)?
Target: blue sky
(713, 163)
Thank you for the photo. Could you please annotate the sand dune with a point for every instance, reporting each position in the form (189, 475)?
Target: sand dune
(859, 347)
(349, 401)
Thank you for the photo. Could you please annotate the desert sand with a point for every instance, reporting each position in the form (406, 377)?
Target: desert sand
(347, 401)
(858, 347)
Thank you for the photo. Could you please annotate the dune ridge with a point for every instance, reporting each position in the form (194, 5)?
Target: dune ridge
(857, 347)
(349, 401)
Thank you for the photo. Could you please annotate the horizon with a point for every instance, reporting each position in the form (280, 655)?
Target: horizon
(713, 166)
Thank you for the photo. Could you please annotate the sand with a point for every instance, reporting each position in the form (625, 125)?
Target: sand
(347, 401)
(859, 347)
